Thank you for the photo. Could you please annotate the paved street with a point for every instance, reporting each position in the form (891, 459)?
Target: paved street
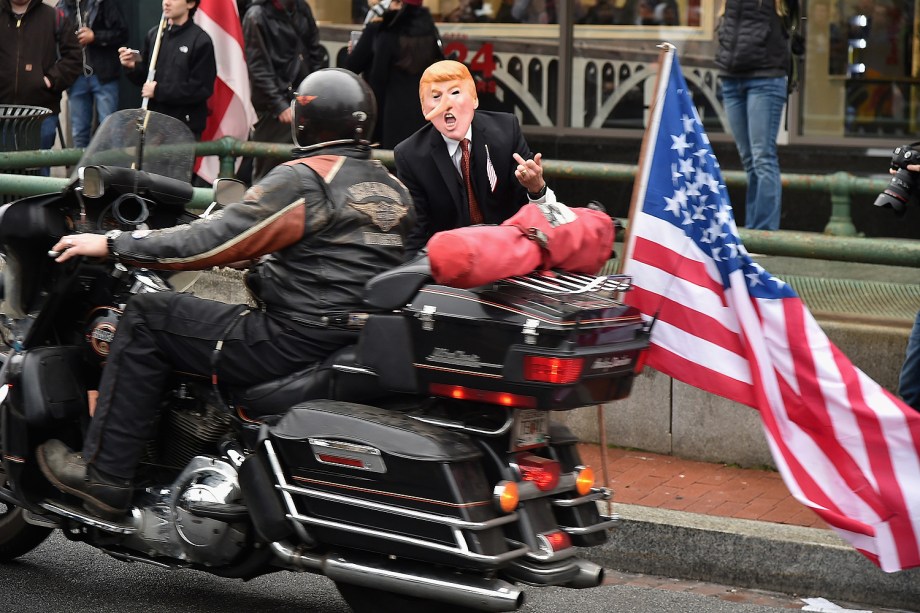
(72, 577)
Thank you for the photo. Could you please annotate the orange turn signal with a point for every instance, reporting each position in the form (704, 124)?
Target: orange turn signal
(506, 496)
(584, 480)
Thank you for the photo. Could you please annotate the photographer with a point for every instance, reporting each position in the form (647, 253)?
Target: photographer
(896, 196)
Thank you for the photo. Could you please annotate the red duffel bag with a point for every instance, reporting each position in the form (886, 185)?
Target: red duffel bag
(476, 255)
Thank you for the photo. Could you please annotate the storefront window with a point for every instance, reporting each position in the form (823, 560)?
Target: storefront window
(860, 75)
(589, 12)
(860, 69)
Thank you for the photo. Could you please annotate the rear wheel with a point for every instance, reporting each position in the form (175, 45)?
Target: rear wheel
(16, 536)
(370, 600)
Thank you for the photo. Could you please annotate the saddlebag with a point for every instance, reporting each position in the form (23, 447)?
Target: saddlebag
(506, 337)
(52, 385)
(361, 477)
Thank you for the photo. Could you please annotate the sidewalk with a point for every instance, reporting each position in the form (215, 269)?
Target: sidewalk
(669, 482)
(735, 526)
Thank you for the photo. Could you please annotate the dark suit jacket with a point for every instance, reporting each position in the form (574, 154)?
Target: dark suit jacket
(422, 163)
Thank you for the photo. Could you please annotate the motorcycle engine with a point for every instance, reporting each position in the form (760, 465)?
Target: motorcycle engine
(168, 526)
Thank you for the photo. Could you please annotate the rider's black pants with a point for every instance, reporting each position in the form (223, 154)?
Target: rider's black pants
(161, 333)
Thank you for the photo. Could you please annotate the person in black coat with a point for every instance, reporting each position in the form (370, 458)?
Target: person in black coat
(101, 30)
(392, 54)
(185, 68)
(282, 48)
(503, 172)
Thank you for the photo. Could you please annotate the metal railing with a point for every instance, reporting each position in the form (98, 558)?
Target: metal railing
(839, 241)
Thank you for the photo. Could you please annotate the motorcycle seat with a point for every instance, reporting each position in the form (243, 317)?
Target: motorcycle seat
(320, 380)
(395, 288)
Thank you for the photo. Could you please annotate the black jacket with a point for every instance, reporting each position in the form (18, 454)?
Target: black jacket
(43, 44)
(330, 222)
(423, 164)
(281, 50)
(392, 54)
(105, 19)
(753, 41)
(185, 73)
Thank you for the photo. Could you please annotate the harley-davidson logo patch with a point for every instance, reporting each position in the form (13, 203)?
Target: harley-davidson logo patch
(101, 337)
(368, 190)
(385, 215)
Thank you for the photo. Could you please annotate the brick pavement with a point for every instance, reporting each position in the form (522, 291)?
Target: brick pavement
(668, 482)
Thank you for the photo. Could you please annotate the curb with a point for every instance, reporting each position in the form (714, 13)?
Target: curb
(810, 562)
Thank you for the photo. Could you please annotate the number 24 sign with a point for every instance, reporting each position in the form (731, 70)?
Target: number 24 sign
(482, 61)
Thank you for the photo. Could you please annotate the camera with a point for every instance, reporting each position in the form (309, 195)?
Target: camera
(900, 189)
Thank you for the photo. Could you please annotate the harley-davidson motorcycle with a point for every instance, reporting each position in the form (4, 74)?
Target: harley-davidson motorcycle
(418, 469)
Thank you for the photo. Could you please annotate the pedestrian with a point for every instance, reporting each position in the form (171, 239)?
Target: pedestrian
(331, 220)
(753, 57)
(466, 166)
(39, 59)
(282, 47)
(534, 11)
(392, 54)
(101, 30)
(185, 70)
(909, 380)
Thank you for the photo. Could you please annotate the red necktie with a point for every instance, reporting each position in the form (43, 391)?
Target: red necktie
(475, 213)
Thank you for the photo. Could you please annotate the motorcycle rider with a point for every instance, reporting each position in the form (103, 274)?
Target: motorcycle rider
(326, 223)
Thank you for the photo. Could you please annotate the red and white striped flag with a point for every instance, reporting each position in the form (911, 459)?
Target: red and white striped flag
(846, 447)
(230, 109)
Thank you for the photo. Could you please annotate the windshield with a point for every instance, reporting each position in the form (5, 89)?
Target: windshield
(144, 140)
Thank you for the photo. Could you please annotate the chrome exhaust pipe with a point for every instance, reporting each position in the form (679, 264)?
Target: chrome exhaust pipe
(409, 579)
(589, 575)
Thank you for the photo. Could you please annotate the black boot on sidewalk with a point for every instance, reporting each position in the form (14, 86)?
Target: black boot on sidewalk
(68, 471)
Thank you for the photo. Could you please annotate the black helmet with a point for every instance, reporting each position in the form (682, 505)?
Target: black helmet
(333, 106)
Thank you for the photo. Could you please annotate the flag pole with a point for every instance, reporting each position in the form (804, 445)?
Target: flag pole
(638, 196)
(648, 148)
(152, 67)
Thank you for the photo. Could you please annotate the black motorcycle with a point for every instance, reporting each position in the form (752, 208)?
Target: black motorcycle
(418, 469)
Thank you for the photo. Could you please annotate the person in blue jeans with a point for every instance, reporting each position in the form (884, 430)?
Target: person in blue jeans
(102, 30)
(753, 57)
(909, 382)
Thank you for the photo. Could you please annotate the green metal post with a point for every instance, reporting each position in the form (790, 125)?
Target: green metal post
(841, 222)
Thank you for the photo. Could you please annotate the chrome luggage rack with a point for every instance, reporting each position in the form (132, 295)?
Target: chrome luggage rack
(551, 282)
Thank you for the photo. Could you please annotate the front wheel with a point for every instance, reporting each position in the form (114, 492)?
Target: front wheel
(371, 600)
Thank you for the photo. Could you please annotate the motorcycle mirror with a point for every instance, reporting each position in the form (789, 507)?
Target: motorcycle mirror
(92, 182)
(228, 191)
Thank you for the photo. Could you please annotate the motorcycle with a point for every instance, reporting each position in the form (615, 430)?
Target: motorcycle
(418, 469)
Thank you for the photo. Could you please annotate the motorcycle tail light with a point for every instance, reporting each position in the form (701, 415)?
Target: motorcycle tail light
(547, 369)
(504, 399)
(506, 496)
(584, 480)
(551, 542)
(544, 473)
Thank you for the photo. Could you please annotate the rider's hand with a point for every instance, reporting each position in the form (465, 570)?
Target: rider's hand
(286, 116)
(529, 172)
(92, 245)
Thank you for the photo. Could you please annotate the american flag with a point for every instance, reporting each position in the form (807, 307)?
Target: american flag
(230, 111)
(846, 447)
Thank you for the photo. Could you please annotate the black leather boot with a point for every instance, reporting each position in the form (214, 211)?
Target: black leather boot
(68, 471)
